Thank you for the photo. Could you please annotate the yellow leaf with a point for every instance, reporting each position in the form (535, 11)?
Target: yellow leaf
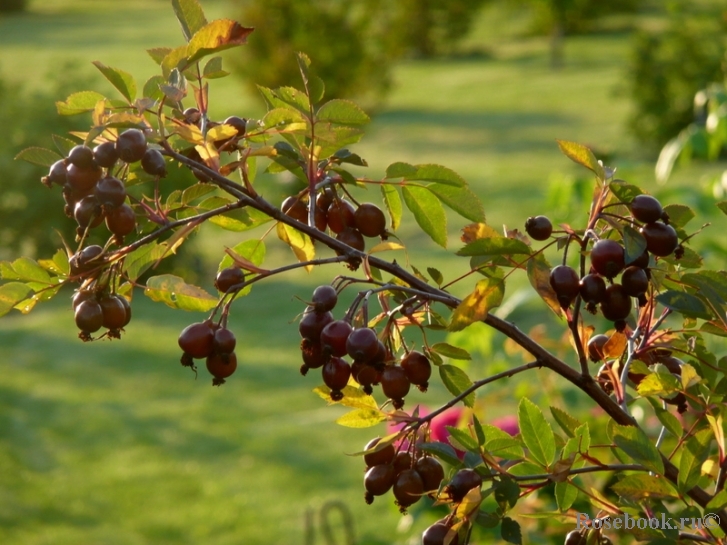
(361, 418)
(300, 243)
(476, 231)
(487, 295)
(689, 376)
(386, 246)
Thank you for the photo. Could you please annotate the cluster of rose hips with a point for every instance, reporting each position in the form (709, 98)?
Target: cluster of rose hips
(91, 190)
(350, 224)
(608, 260)
(93, 311)
(325, 342)
(213, 341)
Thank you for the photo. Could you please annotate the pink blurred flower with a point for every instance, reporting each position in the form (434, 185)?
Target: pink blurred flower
(507, 424)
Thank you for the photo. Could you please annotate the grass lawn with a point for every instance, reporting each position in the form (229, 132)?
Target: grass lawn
(116, 443)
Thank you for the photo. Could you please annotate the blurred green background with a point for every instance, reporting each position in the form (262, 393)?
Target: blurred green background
(116, 443)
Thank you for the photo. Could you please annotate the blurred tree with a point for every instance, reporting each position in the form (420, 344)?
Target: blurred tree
(668, 67)
(9, 6)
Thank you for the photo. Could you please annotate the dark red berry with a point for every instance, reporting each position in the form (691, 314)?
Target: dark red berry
(296, 209)
(83, 179)
(408, 488)
(312, 324)
(464, 480)
(224, 341)
(110, 192)
(378, 480)
(114, 312)
(153, 163)
(370, 220)
(313, 356)
(634, 281)
(131, 145)
(538, 227)
(121, 220)
(431, 472)
(105, 154)
(593, 289)
(336, 372)
(324, 199)
(197, 339)
(88, 213)
(341, 215)
(395, 384)
(574, 537)
(402, 461)
(607, 257)
(418, 369)
(324, 298)
(616, 305)
(82, 157)
(334, 337)
(86, 259)
(229, 277)
(385, 455)
(81, 296)
(221, 367)
(362, 344)
(565, 283)
(366, 375)
(436, 534)
(352, 238)
(239, 123)
(192, 116)
(595, 347)
(661, 239)
(56, 174)
(89, 316)
(646, 209)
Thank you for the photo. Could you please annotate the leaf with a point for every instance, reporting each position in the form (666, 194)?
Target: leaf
(39, 156)
(510, 531)
(11, 294)
(495, 246)
(449, 351)
(488, 294)
(722, 205)
(300, 243)
(460, 199)
(679, 214)
(215, 37)
(400, 170)
(386, 246)
(435, 275)
(539, 276)
(565, 495)
(689, 376)
(536, 432)
(464, 439)
(444, 451)
(24, 269)
(190, 16)
(142, 258)
(123, 81)
(342, 111)
(624, 192)
(457, 381)
(432, 173)
(582, 155)
(501, 444)
(638, 487)
(57, 265)
(78, 103)
(352, 397)
(634, 442)
(213, 69)
(669, 421)
(392, 201)
(694, 453)
(634, 244)
(684, 303)
(567, 423)
(658, 384)
(176, 293)
(361, 418)
(428, 212)
(157, 54)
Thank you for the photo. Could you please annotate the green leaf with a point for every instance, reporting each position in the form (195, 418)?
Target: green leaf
(213, 69)
(57, 265)
(565, 495)
(449, 351)
(624, 192)
(634, 244)
(215, 37)
(567, 423)
(638, 487)
(176, 293)
(428, 212)
(392, 201)
(506, 491)
(190, 16)
(510, 531)
(464, 439)
(435, 275)
(669, 421)
(661, 384)
(434, 173)
(479, 432)
(79, 103)
(138, 261)
(679, 214)
(539, 277)
(441, 450)
(634, 442)
(536, 432)
(400, 170)
(11, 294)
(152, 87)
(718, 502)
(495, 246)
(501, 444)
(684, 303)
(361, 418)
(722, 205)
(488, 294)
(26, 270)
(460, 199)
(158, 54)
(39, 156)
(123, 81)
(346, 156)
(343, 112)
(457, 381)
(694, 453)
(582, 155)
(253, 250)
